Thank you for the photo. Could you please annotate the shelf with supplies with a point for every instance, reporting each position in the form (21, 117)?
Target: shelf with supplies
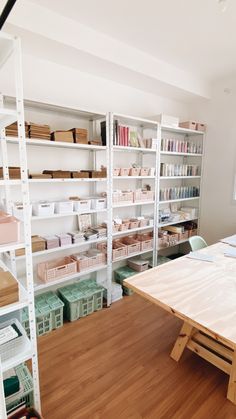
(179, 130)
(179, 200)
(179, 177)
(142, 252)
(57, 144)
(63, 248)
(169, 223)
(134, 149)
(39, 285)
(175, 153)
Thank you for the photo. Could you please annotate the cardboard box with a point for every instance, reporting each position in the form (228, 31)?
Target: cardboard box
(38, 245)
(9, 292)
(62, 136)
(58, 174)
(80, 174)
(14, 172)
(80, 135)
(188, 125)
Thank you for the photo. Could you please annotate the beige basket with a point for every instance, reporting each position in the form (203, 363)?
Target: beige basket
(173, 238)
(143, 195)
(119, 250)
(192, 232)
(184, 235)
(146, 241)
(143, 223)
(163, 242)
(134, 224)
(124, 226)
(124, 171)
(145, 171)
(133, 245)
(135, 171)
(57, 268)
(125, 197)
(115, 228)
(116, 172)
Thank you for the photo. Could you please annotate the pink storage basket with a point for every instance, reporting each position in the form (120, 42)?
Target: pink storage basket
(56, 269)
(115, 228)
(145, 171)
(124, 197)
(135, 171)
(146, 241)
(116, 172)
(119, 250)
(124, 226)
(9, 228)
(143, 223)
(133, 245)
(124, 171)
(143, 195)
(134, 223)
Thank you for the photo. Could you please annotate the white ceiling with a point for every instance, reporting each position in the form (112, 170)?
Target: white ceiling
(193, 35)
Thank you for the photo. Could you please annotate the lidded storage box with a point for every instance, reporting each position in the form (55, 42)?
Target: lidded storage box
(9, 228)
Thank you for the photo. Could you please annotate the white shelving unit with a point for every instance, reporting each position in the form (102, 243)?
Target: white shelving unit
(138, 154)
(10, 47)
(177, 157)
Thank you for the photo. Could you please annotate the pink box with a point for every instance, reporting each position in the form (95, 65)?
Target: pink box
(188, 125)
(9, 228)
(64, 239)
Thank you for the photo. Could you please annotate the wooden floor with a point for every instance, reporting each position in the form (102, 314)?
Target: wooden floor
(116, 364)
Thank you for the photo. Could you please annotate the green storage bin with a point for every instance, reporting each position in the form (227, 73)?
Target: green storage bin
(78, 302)
(56, 308)
(26, 382)
(48, 313)
(123, 273)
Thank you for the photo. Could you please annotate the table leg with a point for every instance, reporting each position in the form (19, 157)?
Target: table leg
(182, 341)
(231, 394)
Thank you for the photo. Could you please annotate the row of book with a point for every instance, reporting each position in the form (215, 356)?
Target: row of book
(127, 136)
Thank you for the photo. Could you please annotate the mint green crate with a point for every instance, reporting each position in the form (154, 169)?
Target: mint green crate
(98, 290)
(123, 273)
(56, 308)
(43, 318)
(78, 300)
(26, 383)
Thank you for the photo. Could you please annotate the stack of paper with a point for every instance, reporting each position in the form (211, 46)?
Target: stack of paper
(201, 256)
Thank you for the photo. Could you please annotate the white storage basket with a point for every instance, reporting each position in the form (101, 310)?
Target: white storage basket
(82, 206)
(43, 208)
(98, 203)
(15, 346)
(63, 207)
(17, 210)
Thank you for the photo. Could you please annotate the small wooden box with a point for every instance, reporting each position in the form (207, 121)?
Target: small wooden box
(62, 136)
(58, 174)
(9, 292)
(188, 125)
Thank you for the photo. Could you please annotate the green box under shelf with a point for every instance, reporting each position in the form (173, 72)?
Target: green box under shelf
(81, 299)
(123, 273)
(48, 313)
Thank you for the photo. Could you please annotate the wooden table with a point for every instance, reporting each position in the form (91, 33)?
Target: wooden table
(203, 295)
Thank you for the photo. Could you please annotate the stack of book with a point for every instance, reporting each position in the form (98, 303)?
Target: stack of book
(12, 130)
(38, 131)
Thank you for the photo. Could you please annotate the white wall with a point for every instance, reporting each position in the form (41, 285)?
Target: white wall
(49, 82)
(218, 207)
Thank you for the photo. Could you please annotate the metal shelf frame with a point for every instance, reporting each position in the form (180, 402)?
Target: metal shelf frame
(13, 47)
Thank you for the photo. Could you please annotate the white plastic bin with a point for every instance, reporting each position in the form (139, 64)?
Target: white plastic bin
(43, 208)
(98, 203)
(82, 206)
(17, 210)
(63, 207)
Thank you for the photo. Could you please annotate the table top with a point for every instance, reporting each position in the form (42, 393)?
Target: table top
(203, 293)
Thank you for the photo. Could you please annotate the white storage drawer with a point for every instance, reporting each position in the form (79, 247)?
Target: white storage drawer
(82, 206)
(63, 207)
(43, 208)
(98, 203)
